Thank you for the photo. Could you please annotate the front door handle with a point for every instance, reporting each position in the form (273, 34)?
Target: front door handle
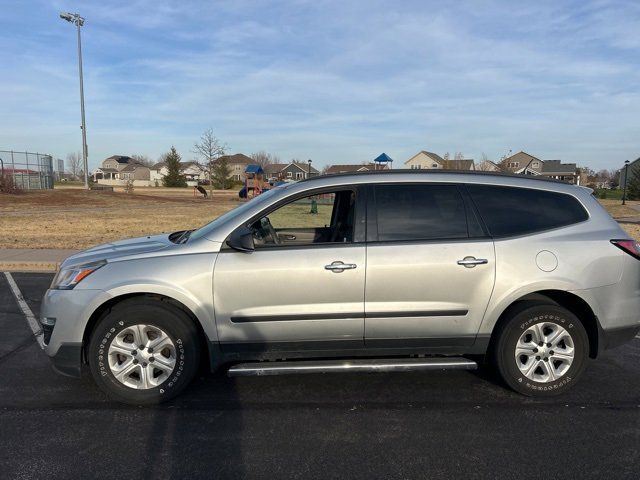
(339, 267)
(470, 262)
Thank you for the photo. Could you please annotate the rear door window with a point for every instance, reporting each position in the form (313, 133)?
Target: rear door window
(510, 211)
(420, 212)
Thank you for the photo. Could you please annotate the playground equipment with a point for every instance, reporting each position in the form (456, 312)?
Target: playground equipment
(199, 189)
(382, 161)
(254, 183)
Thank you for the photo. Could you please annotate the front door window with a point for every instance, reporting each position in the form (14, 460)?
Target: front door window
(315, 219)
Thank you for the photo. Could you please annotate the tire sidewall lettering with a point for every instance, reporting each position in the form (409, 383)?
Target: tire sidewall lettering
(105, 371)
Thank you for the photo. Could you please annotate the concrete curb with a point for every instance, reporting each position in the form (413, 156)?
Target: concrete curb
(32, 259)
(34, 267)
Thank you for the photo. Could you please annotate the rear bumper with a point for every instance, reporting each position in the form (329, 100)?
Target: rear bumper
(614, 337)
(68, 360)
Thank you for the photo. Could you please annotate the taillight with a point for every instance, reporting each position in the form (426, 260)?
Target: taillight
(630, 246)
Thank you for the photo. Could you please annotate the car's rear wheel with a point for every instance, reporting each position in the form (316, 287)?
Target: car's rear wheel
(144, 351)
(541, 350)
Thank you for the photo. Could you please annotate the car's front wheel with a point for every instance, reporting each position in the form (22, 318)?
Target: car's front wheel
(144, 351)
(541, 350)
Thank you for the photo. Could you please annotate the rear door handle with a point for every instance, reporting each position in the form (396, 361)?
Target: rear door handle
(470, 262)
(339, 267)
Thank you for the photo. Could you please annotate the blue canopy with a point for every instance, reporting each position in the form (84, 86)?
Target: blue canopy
(252, 168)
(383, 158)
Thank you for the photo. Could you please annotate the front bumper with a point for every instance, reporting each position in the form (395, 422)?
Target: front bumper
(68, 360)
(64, 315)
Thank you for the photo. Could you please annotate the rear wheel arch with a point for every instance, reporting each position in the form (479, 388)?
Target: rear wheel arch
(122, 300)
(570, 301)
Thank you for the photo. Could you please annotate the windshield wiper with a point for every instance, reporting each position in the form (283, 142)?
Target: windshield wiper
(184, 237)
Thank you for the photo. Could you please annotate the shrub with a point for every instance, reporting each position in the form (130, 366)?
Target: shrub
(128, 188)
(7, 185)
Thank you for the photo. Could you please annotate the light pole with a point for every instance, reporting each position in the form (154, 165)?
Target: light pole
(626, 177)
(78, 21)
(309, 174)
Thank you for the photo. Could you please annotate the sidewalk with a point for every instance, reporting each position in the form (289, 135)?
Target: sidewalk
(32, 259)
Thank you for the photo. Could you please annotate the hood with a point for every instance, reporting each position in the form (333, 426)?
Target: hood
(121, 248)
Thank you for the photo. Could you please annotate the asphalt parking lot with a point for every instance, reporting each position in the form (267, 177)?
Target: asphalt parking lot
(409, 425)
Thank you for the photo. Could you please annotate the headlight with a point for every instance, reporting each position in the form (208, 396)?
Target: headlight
(69, 277)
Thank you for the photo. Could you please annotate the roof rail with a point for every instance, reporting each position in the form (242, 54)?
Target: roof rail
(435, 171)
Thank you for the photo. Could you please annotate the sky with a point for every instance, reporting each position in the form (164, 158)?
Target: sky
(331, 81)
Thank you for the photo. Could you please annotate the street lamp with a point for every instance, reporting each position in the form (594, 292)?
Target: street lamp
(78, 21)
(309, 174)
(626, 177)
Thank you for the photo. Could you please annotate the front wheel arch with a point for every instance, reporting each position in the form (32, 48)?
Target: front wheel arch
(106, 307)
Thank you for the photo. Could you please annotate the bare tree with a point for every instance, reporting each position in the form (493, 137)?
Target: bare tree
(142, 160)
(446, 156)
(74, 164)
(485, 164)
(264, 159)
(210, 149)
(458, 156)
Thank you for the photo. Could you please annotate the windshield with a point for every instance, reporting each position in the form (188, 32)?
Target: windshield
(209, 227)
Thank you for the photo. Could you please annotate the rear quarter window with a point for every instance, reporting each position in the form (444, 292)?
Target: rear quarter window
(510, 211)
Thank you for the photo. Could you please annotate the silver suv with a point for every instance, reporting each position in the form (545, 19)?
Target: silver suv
(382, 271)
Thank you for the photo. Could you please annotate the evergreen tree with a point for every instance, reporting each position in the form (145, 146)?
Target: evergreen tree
(173, 178)
(633, 184)
(220, 173)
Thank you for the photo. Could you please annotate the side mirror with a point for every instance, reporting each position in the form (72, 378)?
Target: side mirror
(241, 239)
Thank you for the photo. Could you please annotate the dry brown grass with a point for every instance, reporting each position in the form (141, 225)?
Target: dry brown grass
(617, 210)
(632, 229)
(72, 218)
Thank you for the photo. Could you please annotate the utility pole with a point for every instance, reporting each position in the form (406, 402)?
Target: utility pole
(78, 21)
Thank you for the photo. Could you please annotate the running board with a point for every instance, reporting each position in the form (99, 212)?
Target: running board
(355, 365)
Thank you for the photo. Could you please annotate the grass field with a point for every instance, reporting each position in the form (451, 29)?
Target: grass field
(73, 218)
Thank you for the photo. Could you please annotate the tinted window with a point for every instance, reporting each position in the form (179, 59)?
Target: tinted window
(420, 212)
(511, 211)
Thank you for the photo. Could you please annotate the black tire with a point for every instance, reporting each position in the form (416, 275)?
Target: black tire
(156, 313)
(519, 322)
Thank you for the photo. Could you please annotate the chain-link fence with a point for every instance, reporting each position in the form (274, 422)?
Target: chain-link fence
(27, 170)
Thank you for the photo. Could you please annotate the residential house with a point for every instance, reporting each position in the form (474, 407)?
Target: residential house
(237, 164)
(522, 162)
(429, 160)
(120, 169)
(135, 171)
(363, 167)
(488, 166)
(633, 168)
(289, 171)
(192, 171)
(566, 172)
(526, 164)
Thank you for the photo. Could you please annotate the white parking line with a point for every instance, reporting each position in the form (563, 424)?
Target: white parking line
(34, 325)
